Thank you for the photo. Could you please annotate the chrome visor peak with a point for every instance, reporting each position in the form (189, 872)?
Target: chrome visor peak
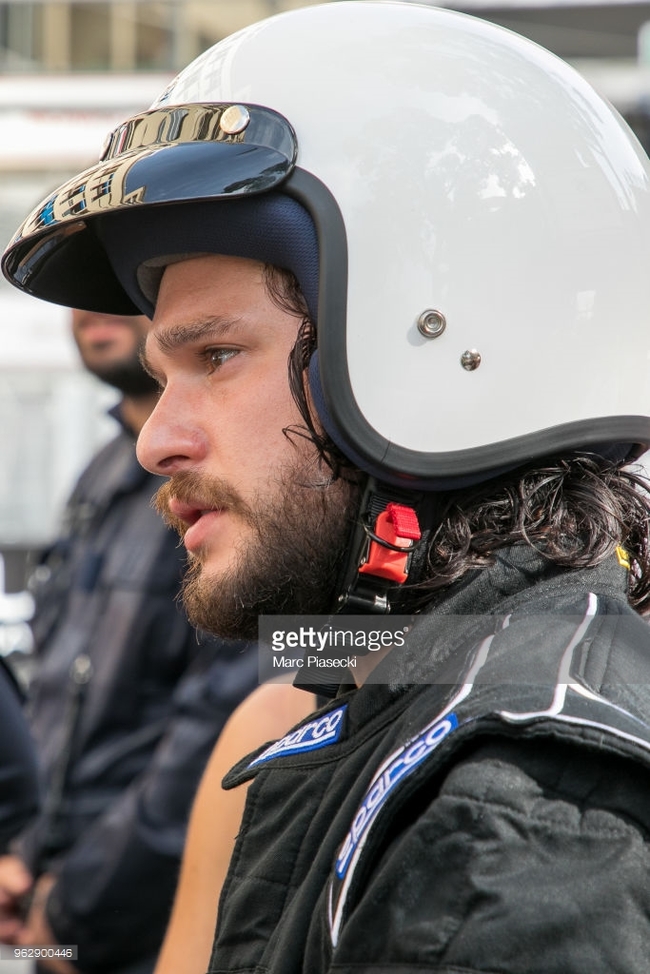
(166, 155)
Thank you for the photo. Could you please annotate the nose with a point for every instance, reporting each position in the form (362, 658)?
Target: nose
(169, 440)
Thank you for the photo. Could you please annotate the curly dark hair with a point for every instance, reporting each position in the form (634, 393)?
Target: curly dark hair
(574, 510)
(284, 290)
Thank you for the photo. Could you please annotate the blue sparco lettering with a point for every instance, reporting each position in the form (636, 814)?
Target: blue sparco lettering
(402, 765)
(317, 733)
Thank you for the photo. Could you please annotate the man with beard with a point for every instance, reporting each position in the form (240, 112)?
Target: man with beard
(126, 704)
(384, 247)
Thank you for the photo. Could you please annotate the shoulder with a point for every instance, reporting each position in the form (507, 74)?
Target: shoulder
(553, 783)
(273, 707)
(109, 469)
(511, 861)
(265, 715)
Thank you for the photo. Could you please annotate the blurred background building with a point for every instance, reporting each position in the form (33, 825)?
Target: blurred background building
(70, 71)
(608, 42)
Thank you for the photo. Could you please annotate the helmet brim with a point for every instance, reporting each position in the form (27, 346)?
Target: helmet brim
(169, 155)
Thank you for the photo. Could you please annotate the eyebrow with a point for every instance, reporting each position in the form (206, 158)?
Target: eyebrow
(177, 336)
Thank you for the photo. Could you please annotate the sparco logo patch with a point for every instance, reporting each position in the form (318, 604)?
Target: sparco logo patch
(310, 737)
(394, 770)
(398, 768)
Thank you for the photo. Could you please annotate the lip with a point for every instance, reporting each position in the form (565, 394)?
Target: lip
(199, 520)
(198, 533)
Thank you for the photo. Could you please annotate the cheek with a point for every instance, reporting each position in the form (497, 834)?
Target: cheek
(263, 416)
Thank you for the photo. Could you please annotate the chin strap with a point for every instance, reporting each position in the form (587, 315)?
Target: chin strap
(386, 535)
(380, 556)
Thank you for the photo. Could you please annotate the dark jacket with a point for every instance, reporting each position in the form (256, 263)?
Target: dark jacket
(126, 706)
(18, 769)
(492, 817)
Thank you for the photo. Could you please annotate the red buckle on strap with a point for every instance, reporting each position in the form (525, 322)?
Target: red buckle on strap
(398, 525)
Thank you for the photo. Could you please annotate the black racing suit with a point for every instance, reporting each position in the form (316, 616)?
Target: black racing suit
(495, 819)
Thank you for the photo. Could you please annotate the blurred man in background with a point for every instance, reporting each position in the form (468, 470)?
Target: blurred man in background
(126, 703)
(18, 771)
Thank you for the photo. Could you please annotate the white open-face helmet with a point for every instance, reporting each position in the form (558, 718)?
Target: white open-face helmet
(469, 220)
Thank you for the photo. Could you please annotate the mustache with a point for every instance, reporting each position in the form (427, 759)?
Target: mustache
(200, 491)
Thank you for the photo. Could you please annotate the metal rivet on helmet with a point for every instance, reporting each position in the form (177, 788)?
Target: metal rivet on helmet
(234, 120)
(431, 323)
(470, 359)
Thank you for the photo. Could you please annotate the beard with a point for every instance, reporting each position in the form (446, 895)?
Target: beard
(289, 562)
(126, 375)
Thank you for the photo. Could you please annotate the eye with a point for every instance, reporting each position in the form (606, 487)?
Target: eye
(216, 357)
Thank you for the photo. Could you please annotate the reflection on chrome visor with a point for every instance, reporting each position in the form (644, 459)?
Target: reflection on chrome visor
(170, 154)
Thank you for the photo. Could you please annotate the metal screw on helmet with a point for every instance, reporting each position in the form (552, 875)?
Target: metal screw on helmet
(470, 359)
(234, 120)
(431, 323)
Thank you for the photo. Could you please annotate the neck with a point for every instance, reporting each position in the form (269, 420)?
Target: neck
(136, 410)
(366, 664)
